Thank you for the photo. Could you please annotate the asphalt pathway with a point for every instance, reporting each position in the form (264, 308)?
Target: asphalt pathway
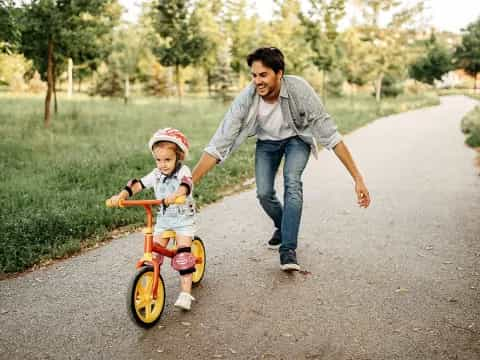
(400, 280)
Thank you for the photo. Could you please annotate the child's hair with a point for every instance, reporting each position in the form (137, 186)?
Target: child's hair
(172, 146)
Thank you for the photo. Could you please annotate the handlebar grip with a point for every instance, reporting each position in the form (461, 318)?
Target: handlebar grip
(180, 200)
(110, 204)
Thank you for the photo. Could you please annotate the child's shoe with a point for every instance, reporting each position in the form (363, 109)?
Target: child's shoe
(184, 301)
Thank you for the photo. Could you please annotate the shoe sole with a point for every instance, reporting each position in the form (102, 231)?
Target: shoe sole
(273, 247)
(181, 307)
(290, 267)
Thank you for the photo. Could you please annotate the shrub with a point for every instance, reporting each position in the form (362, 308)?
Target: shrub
(471, 127)
(391, 87)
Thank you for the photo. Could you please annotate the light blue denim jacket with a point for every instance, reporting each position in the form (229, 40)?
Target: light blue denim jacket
(301, 108)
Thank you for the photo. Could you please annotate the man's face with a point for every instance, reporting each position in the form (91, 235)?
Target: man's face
(266, 81)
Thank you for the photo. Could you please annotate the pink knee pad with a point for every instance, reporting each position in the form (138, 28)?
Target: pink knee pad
(183, 260)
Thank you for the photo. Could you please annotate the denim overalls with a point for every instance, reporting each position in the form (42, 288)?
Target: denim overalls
(180, 218)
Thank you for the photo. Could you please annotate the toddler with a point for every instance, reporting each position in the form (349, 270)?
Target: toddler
(170, 179)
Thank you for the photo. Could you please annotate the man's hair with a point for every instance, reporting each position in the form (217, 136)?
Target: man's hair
(269, 56)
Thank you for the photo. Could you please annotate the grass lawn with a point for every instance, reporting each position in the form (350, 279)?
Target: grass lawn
(55, 181)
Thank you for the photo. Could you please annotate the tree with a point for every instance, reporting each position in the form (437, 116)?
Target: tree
(433, 65)
(53, 31)
(387, 45)
(355, 52)
(467, 54)
(13, 68)
(128, 47)
(212, 26)
(180, 43)
(242, 30)
(10, 28)
(322, 34)
(222, 78)
(287, 32)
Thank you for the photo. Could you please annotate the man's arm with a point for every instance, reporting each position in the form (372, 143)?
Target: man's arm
(204, 165)
(345, 157)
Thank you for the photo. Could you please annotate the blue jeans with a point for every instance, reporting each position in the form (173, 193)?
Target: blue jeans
(268, 156)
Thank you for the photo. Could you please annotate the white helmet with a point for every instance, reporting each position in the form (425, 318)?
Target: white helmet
(171, 135)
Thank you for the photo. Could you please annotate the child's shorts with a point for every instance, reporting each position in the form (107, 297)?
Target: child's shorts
(182, 225)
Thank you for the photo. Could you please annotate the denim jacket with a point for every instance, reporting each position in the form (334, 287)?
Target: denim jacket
(301, 109)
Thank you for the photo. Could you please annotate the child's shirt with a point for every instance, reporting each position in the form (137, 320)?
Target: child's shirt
(164, 186)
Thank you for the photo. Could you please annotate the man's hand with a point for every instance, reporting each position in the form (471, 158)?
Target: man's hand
(204, 165)
(363, 196)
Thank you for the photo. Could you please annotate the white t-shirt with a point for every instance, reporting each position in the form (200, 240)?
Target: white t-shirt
(271, 125)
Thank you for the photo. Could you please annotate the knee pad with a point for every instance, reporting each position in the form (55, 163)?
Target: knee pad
(184, 261)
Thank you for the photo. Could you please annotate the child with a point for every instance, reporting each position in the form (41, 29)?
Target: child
(170, 179)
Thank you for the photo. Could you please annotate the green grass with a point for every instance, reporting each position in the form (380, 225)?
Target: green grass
(471, 127)
(55, 181)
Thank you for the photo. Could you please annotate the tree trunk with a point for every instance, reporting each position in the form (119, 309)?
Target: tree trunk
(378, 88)
(324, 87)
(55, 104)
(70, 78)
(178, 78)
(48, 98)
(127, 90)
(378, 92)
(352, 92)
(209, 82)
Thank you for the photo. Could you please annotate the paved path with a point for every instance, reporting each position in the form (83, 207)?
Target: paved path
(400, 280)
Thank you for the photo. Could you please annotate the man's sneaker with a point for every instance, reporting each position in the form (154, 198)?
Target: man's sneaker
(288, 261)
(275, 241)
(184, 301)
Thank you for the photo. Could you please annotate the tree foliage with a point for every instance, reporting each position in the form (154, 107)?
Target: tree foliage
(10, 31)
(178, 27)
(321, 33)
(242, 30)
(436, 62)
(388, 49)
(53, 31)
(467, 54)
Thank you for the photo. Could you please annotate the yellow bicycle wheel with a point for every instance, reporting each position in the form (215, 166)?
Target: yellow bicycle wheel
(198, 250)
(144, 310)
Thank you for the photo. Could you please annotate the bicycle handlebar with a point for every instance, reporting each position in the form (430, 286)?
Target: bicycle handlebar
(124, 203)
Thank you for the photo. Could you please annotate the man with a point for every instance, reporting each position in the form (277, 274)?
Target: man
(289, 120)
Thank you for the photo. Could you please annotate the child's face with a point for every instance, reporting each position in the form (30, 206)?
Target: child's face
(165, 159)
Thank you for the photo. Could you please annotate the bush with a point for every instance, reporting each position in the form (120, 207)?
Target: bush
(471, 127)
(335, 80)
(36, 85)
(391, 87)
(109, 82)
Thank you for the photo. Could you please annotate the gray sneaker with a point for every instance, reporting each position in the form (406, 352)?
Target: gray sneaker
(275, 241)
(288, 261)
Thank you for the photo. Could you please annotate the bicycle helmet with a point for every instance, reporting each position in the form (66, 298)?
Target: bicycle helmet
(171, 135)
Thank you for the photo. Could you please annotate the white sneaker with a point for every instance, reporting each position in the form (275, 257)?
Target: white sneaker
(184, 301)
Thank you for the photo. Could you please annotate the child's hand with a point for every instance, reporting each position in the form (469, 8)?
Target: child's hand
(113, 201)
(170, 199)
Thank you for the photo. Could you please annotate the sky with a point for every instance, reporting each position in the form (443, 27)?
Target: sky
(442, 14)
